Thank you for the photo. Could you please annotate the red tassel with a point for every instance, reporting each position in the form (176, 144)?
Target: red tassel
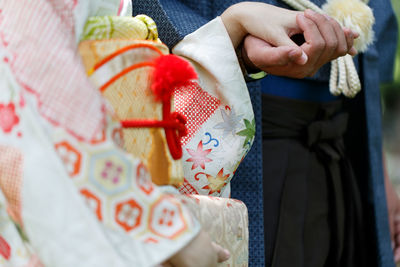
(170, 72)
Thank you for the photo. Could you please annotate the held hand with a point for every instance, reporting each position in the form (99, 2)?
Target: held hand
(272, 24)
(200, 252)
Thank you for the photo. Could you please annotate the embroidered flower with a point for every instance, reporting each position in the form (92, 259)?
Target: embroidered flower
(230, 124)
(129, 214)
(5, 249)
(216, 183)
(199, 156)
(112, 171)
(8, 117)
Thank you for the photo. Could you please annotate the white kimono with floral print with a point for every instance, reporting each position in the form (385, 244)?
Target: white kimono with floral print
(69, 196)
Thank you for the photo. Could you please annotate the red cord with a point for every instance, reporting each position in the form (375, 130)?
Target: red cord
(125, 71)
(124, 49)
(173, 123)
(174, 127)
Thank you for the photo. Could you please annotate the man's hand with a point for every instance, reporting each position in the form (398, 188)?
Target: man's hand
(324, 40)
(200, 252)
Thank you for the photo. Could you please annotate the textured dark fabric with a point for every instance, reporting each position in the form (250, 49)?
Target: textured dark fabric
(176, 18)
(312, 199)
(248, 185)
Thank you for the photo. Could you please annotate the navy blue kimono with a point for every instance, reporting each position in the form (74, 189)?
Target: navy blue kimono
(177, 18)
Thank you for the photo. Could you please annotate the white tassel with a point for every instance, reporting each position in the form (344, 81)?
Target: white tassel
(355, 15)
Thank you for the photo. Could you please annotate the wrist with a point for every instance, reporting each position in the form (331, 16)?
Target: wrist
(250, 71)
(232, 22)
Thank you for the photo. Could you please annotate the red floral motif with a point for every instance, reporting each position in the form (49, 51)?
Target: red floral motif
(199, 156)
(8, 117)
(5, 249)
(70, 157)
(129, 214)
(166, 218)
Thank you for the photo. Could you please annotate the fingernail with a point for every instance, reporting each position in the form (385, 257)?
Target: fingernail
(327, 16)
(351, 34)
(304, 58)
(301, 15)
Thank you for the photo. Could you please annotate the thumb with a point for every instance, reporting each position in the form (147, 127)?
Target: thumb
(223, 254)
(264, 55)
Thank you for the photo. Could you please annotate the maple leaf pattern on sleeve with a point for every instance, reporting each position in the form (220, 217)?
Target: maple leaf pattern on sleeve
(199, 156)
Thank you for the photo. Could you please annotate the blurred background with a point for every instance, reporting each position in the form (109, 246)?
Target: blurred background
(391, 116)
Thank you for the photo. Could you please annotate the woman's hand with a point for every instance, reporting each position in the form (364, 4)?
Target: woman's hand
(200, 252)
(272, 24)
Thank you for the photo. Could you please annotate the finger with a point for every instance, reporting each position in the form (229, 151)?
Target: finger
(345, 38)
(298, 56)
(281, 38)
(223, 254)
(352, 52)
(349, 37)
(396, 255)
(397, 227)
(392, 228)
(166, 264)
(281, 56)
(354, 33)
(262, 54)
(314, 44)
(325, 27)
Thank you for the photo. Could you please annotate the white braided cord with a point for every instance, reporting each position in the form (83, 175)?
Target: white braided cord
(342, 83)
(310, 5)
(333, 88)
(352, 75)
(295, 4)
(343, 77)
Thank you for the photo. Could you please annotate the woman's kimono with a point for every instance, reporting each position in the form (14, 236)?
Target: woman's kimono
(69, 194)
